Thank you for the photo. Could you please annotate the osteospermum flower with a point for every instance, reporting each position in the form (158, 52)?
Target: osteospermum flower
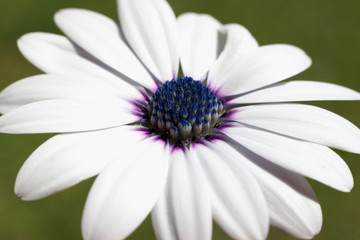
(188, 149)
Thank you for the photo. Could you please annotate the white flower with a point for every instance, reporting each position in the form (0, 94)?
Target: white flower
(219, 154)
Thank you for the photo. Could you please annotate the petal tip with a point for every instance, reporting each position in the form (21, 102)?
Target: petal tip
(22, 40)
(59, 15)
(347, 185)
(21, 195)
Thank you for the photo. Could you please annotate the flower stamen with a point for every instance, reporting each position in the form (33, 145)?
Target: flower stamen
(183, 109)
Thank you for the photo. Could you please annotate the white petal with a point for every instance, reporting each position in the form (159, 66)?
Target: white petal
(267, 65)
(183, 211)
(125, 192)
(306, 122)
(309, 159)
(239, 206)
(298, 91)
(52, 86)
(100, 36)
(239, 41)
(292, 204)
(56, 54)
(151, 30)
(67, 159)
(198, 42)
(64, 116)
(238, 44)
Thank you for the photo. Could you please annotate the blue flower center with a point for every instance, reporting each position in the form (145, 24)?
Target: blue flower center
(183, 108)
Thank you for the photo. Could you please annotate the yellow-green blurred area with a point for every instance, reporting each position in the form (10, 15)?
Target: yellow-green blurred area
(328, 30)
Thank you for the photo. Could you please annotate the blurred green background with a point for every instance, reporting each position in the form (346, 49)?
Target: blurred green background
(328, 30)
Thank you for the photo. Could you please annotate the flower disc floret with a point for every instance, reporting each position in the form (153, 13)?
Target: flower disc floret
(182, 109)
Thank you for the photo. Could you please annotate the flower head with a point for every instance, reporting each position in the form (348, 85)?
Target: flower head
(222, 142)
